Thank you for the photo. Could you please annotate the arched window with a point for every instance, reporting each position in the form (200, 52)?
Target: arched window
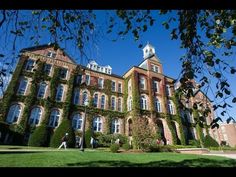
(157, 105)
(119, 104)
(142, 83)
(171, 107)
(85, 97)
(14, 113)
(59, 94)
(76, 96)
(42, 89)
(115, 127)
(22, 86)
(77, 122)
(143, 102)
(130, 103)
(113, 103)
(97, 124)
(54, 118)
(95, 100)
(35, 116)
(103, 99)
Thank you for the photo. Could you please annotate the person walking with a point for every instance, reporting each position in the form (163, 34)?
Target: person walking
(92, 142)
(77, 141)
(64, 141)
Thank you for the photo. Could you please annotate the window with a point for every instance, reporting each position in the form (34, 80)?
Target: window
(14, 113)
(35, 116)
(47, 68)
(113, 103)
(51, 54)
(168, 91)
(100, 83)
(59, 94)
(63, 73)
(119, 105)
(129, 86)
(113, 86)
(115, 127)
(142, 83)
(155, 68)
(170, 107)
(97, 124)
(157, 105)
(42, 89)
(77, 122)
(78, 79)
(95, 100)
(22, 86)
(103, 102)
(156, 86)
(29, 65)
(87, 79)
(143, 102)
(130, 103)
(76, 96)
(54, 118)
(85, 98)
(119, 88)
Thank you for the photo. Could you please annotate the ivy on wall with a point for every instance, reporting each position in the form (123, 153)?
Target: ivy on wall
(30, 100)
(175, 100)
(11, 90)
(198, 127)
(125, 97)
(107, 90)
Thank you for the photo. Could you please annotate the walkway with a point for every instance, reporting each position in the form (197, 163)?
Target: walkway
(227, 154)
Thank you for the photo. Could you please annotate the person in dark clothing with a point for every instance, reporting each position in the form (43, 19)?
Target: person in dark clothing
(64, 141)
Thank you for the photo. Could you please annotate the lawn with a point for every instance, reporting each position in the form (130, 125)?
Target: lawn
(99, 158)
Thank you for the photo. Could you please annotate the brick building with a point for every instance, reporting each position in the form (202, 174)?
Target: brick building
(228, 133)
(143, 89)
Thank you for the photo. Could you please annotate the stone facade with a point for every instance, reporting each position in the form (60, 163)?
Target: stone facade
(154, 93)
(228, 133)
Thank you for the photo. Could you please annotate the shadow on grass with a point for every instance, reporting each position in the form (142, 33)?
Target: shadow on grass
(201, 162)
(19, 152)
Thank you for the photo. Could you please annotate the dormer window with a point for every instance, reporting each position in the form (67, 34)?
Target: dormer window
(51, 54)
(29, 65)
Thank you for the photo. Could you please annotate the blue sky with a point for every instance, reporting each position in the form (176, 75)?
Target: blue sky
(124, 53)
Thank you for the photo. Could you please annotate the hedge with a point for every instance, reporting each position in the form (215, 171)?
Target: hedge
(64, 127)
(210, 142)
(39, 137)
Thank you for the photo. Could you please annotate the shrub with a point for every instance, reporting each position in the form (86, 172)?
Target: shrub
(114, 148)
(210, 142)
(88, 134)
(126, 146)
(195, 143)
(106, 140)
(64, 127)
(39, 137)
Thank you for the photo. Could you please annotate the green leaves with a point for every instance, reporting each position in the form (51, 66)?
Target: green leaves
(234, 100)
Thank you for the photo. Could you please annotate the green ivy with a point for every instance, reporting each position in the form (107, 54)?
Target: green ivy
(107, 90)
(178, 117)
(198, 127)
(11, 90)
(54, 83)
(108, 124)
(125, 97)
(30, 100)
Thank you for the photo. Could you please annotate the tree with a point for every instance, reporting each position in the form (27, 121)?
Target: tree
(202, 33)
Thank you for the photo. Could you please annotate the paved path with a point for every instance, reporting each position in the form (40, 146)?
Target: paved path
(222, 154)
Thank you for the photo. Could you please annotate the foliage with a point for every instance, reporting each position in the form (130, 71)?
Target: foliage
(88, 135)
(105, 140)
(54, 83)
(114, 147)
(39, 137)
(195, 143)
(126, 146)
(198, 127)
(176, 100)
(11, 89)
(210, 142)
(30, 99)
(141, 132)
(125, 97)
(64, 127)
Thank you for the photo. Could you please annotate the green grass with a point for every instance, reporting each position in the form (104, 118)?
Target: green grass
(99, 158)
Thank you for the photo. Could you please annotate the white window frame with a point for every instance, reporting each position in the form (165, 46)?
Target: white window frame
(35, 117)
(171, 108)
(87, 98)
(115, 126)
(156, 86)
(142, 83)
(87, 81)
(119, 106)
(51, 54)
(54, 118)
(144, 102)
(49, 73)
(13, 112)
(104, 102)
(158, 105)
(39, 90)
(113, 90)
(58, 93)
(113, 108)
(95, 104)
(26, 66)
(77, 121)
(20, 85)
(98, 122)
(120, 88)
(102, 81)
(75, 96)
